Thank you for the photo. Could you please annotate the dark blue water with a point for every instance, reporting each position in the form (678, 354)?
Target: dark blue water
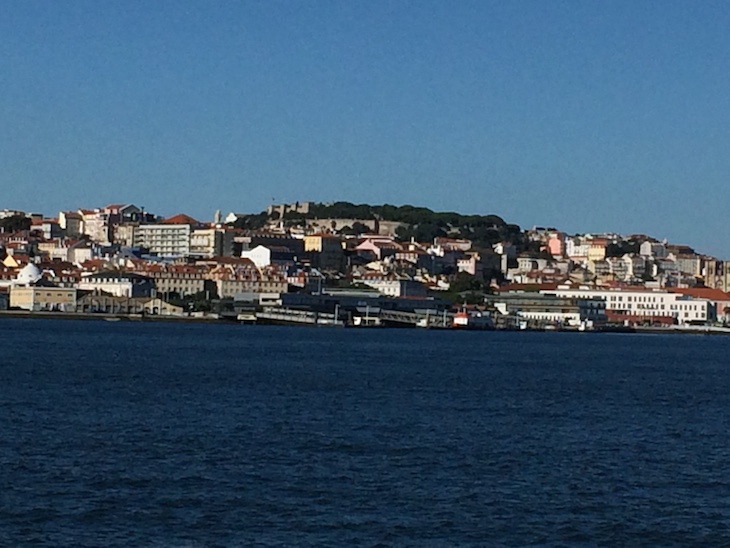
(216, 435)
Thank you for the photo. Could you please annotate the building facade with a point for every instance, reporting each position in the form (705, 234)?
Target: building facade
(645, 306)
(39, 298)
(165, 240)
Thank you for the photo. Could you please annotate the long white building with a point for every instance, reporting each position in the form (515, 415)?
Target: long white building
(638, 305)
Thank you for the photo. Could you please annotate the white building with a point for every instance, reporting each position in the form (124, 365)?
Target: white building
(576, 249)
(645, 305)
(628, 267)
(119, 284)
(95, 224)
(166, 240)
(210, 242)
(542, 308)
(653, 249)
(259, 255)
(26, 276)
(73, 252)
(396, 288)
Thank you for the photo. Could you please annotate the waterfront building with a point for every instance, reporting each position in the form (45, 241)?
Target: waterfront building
(391, 286)
(639, 305)
(178, 278)
(159, 306)
(104, 303)
(720, 299)
(242, 276)
(41, 298)
(120, 284)
(541, 309)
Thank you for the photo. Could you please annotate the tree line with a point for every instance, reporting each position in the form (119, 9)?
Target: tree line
(420, 223)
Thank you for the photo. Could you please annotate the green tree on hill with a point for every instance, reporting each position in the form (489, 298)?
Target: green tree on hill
(423, 224)
(15, 223)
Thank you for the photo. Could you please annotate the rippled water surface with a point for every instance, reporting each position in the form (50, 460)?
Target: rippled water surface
(218, 435)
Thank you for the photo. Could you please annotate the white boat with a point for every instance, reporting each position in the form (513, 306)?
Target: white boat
(464, 319)
(366, 321)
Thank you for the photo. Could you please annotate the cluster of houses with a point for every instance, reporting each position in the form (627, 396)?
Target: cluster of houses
(122, 259)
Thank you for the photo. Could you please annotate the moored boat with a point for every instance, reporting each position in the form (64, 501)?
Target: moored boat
(474, 319)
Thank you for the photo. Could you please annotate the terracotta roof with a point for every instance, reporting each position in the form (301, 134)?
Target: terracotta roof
(180, 219)
(708, 293)
(172, 268)
(528, 287)
(323, 235)
(92, 264)
(225, 261)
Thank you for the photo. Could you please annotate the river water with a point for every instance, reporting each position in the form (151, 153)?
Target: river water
(158, 434)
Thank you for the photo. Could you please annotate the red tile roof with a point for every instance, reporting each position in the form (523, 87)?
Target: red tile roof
(702, 293)
(180, 219)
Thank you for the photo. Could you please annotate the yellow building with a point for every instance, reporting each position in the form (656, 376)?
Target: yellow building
(325, 251)
(36, 298)
(597, 250)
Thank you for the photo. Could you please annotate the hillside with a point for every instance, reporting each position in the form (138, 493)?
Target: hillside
(422, 224)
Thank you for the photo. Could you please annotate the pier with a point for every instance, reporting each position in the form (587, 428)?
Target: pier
(291, 316)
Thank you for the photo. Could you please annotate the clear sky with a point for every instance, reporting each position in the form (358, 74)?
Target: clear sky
(583, 115)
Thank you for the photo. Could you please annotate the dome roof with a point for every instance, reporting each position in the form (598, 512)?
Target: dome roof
(29, 274)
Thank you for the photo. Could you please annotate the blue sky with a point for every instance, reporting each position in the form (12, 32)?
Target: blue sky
(583, 115)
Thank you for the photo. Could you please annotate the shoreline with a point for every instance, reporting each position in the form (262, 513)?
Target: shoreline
(91, 316)
(26, 314)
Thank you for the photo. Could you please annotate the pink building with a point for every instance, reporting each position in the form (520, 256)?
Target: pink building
(556, 244)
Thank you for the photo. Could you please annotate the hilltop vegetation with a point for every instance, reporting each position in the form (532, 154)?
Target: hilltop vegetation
(15, 223)
(421, 223)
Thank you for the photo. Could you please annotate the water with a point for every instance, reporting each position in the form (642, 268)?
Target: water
(118, 434)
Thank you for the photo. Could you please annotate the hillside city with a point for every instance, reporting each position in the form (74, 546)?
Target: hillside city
(343, 263)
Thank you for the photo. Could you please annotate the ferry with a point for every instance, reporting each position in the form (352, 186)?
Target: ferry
(464, 319)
